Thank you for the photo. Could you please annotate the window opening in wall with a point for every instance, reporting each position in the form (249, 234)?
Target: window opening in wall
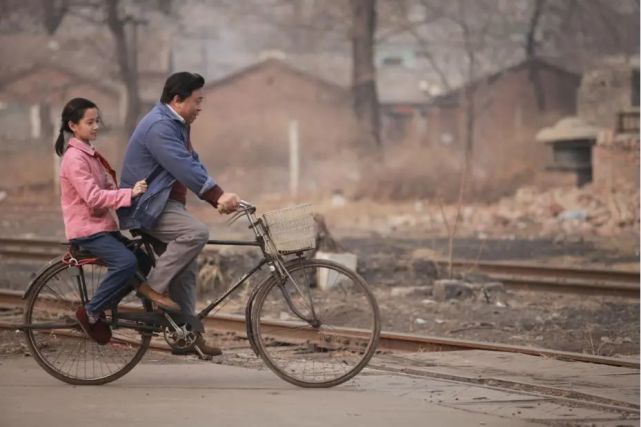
(392, 60)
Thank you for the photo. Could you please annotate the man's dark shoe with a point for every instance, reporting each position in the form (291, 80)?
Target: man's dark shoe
(100, 331)
(207, 349)
(161, 300)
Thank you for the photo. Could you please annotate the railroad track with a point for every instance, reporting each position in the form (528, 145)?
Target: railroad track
(564, 279)
(228, 323)
(520, 276)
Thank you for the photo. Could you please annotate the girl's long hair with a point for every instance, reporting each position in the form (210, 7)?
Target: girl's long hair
(73, 112)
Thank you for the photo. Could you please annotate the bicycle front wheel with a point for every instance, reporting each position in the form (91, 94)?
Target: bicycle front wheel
(317, 328)
(55, 339)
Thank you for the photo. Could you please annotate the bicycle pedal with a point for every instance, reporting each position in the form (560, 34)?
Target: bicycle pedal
(202, 355)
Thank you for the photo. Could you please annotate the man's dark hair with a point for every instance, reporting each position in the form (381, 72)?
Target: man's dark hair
(181, 84)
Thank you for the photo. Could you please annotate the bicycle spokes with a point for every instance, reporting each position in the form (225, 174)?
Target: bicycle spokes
(338, 331)
(57, 342)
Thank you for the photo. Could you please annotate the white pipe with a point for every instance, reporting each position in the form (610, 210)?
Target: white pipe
(294, 157)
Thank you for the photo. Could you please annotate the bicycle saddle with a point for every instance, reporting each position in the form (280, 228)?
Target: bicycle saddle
(158, 245)
(76, 252)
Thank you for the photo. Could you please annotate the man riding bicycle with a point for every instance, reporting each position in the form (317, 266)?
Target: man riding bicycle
(160, 151)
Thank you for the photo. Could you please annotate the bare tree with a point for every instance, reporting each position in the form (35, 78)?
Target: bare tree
(54, 11)
(127, 53)
(530, 53)
(470, 26)
(119, 18)
(295, 26)
(123, 21)
(319, 26)
(576, 33)
(363, 68)
(472, 42)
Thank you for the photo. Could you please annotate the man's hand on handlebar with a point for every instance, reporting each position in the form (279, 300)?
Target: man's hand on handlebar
(228, 203)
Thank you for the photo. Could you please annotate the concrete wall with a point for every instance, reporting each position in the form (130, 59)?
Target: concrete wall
(605, 92)
(615, 161)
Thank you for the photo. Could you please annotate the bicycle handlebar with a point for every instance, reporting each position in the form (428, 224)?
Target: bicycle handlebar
(246, 205)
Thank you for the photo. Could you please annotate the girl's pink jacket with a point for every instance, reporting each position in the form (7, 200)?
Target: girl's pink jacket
(88, 194)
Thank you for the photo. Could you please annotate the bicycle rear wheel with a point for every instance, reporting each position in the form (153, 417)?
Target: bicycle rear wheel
(339, 335)
(59, 345)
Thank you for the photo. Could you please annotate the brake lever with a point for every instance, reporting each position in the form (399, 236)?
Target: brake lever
(237, 215)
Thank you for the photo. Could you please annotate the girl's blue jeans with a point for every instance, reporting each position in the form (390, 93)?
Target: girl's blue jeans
(121, 267)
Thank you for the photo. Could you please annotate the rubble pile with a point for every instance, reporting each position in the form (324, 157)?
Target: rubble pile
(531, 212)
(573, 211)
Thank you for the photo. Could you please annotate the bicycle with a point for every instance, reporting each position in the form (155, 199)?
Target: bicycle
(289, 323)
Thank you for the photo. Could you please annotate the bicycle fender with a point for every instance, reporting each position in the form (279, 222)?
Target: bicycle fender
(38, 275)
(250, 305)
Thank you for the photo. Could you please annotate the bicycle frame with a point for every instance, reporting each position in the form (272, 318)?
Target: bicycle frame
(154, 321)
(274, 262)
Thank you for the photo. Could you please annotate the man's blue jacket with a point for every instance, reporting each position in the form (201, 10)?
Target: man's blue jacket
(158, 149)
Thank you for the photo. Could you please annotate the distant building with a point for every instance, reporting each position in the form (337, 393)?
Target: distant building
(31, 101)
(52, 70)
(507, 114)
(609, 98)
(601, 145)
(247, 115)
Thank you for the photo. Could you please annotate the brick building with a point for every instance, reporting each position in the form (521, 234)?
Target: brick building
(49, 72)
(30, 104)
(246, 119)
(507, 115)
(609, 98)
(247, 113)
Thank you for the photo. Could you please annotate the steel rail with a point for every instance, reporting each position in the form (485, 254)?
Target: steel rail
(513, 275)
(282, 330)
(553, 278)
(526, 269)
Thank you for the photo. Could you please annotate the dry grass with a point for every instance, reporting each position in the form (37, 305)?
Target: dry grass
(434, 173)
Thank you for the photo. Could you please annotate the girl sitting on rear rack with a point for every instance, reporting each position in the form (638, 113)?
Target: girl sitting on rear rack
(89, 197)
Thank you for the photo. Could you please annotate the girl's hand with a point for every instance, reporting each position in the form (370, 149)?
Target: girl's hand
(139, 188)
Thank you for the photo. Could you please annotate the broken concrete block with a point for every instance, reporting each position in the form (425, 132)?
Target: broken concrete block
(425, 269)
(444, 290)
(328, 279)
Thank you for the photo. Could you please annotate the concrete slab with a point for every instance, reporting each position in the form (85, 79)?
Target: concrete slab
(602, 381)
(206, 394)
(519, 386)
(491, 400)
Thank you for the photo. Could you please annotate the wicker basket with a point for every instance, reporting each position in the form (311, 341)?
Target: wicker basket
(291, 229)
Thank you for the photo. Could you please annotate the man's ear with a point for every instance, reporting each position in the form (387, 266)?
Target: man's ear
(175, 100)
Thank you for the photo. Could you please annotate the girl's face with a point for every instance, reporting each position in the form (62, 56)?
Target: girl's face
(87, 128)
